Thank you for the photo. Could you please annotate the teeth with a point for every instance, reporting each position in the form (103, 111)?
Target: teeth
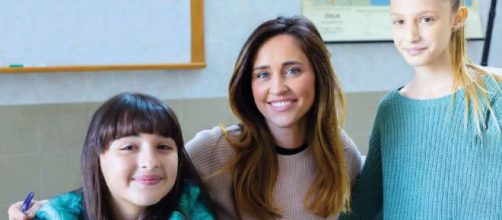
(280, 104)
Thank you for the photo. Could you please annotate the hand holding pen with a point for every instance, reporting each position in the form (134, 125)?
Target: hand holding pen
(25, 210)
(27, 202)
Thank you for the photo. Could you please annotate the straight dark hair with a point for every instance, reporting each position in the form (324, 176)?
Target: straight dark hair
(124, 115)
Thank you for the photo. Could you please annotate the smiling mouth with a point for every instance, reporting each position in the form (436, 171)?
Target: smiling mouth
(415, 51)
(148, 180)
(281, 105)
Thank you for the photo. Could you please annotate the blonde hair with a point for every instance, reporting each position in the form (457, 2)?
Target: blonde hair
(254, 168)
(469, 76)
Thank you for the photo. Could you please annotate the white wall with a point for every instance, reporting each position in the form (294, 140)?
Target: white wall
(361, 67)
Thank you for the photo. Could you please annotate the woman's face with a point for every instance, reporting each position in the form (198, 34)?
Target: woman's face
(283, 83)
(139, 170)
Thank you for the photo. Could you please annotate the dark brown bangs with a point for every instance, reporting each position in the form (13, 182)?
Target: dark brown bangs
(132, 116)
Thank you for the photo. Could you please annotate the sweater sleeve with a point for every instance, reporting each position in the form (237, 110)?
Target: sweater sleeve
(352, 156)
(209, 151)
(367, 193)
(192, 204)
(62, 207)
(497, 103)
(493, 117)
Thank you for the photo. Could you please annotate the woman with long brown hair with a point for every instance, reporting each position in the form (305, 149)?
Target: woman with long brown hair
(288, 157)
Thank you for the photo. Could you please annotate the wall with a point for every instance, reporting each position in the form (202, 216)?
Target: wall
(227, 24)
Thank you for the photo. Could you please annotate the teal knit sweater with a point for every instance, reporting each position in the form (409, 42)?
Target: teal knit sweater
(424, 163)
(68, 206)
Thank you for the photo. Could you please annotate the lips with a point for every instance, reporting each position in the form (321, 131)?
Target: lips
(148, 180)
(415, 50)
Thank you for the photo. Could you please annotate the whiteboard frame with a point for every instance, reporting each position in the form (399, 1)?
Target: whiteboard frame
(197, 60)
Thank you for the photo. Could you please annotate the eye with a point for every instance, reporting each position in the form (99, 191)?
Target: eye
(164, 147)
(261, 75)
(293, 71)
(397, 21)
(128, 147)
(426, 20)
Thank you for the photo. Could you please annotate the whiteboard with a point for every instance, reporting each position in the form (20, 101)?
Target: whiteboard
(95, 33)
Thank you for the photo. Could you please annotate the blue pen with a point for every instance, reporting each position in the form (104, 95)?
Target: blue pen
(27, 202)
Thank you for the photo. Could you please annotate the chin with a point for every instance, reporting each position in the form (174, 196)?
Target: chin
(282, 124)
(146, 198)
(415, 61)
(147, 201)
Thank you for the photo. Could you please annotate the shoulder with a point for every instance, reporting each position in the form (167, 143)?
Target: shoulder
(352, 156)
(491, 70)
(66, 206)
(348, 143)
(388, 100)
(494, 91)
(210, 150)
(387, 105)
(492, 79)
(210, 137)
(493, 84)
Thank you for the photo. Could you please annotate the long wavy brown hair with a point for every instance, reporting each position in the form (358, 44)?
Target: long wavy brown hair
(254, 168)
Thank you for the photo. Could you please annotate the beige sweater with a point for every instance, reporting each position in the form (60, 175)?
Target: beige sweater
(209, 151)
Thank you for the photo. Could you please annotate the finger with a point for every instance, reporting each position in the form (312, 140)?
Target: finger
(34, 207)
(22, 217)
(15, 212)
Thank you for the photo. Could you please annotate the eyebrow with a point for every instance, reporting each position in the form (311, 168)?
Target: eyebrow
(287, 63)
(421, 13)
(394, 14)
(291, 63)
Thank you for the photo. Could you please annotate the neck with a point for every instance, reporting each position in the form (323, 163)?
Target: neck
(126, 211)
(430, 78)
(289, 137)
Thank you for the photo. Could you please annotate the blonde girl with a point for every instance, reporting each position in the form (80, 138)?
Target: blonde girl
(436, 145)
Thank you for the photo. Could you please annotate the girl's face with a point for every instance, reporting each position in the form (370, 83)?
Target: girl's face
(283, 83)
(421, 30)
(139, 170)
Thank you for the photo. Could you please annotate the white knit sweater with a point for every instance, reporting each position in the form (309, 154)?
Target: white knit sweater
(209, 151)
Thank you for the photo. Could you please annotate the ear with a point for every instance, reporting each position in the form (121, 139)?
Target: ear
(460, 18)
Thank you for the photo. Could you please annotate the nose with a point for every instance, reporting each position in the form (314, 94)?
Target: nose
(412, 33)
(148, 159)
(278, 85)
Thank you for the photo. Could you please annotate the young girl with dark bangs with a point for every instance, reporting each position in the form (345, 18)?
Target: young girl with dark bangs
(134, 166)
(436, 146)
